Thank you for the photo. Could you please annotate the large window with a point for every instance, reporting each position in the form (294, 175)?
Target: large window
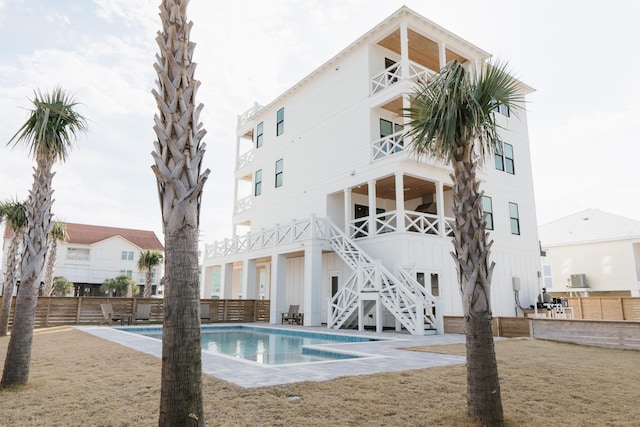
(126, 273)
(280, 122)
(504, 157)
(279, 172)
(258, 183)
(127, 256)
(78, 254)
(502, 109)
(487, 207)
(515, 218)
(259, 134)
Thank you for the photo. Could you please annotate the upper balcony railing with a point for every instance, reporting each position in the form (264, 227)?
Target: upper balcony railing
(243, 204)
(248, 115)
(387, 222)
(245, 159)
(393, 74)
(387, 146)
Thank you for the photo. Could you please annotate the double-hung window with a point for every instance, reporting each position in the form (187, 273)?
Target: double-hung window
(127, 256)
(502, 109)
(515, 218)
(279, 172)
(504, 157)
(259, 134)
(258, 182)
(487, 207)
(280, 122)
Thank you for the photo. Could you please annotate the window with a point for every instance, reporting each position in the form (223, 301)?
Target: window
(78, 254)
(258, 183)
(127, 256)
(259, 134)
(387, 128)
(487, 207)
(515, 218)
(280, 122)
(126, 273)
(501, 108)
(504, 157)
(279, 171)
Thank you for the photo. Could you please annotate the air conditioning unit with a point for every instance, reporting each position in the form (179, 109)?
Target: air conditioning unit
(578, 281)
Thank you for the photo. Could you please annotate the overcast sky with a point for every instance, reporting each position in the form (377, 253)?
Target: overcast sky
(580, 56)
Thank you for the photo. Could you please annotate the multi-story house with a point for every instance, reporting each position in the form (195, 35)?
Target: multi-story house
(334, 213)
(92, 254)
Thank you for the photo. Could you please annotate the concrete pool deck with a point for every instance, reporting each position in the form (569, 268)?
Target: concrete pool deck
(381, 356)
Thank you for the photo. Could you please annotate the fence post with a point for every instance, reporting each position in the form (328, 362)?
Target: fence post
(78, 310)
(255, 310)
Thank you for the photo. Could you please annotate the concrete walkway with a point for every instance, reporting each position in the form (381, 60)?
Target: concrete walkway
(381, 356)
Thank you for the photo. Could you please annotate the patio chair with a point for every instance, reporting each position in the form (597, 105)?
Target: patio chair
(205, 313)
(109, 315)
(143, 313)
(292, 316)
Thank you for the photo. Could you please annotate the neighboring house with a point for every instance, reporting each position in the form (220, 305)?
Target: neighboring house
(94, 253)
(330, 202)
(591, 253)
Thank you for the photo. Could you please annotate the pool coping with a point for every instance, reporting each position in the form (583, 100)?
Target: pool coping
(386, 355)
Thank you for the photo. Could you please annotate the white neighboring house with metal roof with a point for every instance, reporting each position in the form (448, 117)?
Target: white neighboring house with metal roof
(591, 253)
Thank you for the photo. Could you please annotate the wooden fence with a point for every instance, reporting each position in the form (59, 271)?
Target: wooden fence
(606, 308)
(509, 327)
(53, 311)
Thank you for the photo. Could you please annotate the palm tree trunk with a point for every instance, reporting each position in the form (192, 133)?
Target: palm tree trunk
(9, 281)
(147, 284)
(51, 262)
(471, 252)
(181, 350)
(18, 359)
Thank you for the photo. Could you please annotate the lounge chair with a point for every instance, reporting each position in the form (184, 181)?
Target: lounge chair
(293, 317)
(205, 313)
(109, 315)
(143, 313)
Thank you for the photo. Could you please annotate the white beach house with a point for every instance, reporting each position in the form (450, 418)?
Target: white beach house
(334, 213)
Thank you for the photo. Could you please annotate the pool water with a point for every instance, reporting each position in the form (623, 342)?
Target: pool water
(267, 346)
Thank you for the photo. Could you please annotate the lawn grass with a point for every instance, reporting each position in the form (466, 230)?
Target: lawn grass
(81, 380)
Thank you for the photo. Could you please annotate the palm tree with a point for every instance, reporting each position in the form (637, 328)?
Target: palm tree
(147, 261)
(57, 234)
(452, 119)
(48, 132)
(13, 213)
(178, 160)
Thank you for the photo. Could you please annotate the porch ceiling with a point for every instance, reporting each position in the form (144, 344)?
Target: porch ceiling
(386, 188)
(421, 49)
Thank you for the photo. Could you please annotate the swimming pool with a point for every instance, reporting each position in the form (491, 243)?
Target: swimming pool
(267, 346)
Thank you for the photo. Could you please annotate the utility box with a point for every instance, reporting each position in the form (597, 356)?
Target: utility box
(578, 281)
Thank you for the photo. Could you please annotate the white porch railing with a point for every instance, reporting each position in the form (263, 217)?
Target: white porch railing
(387, 146)
(393, 74)
(387, 222)
(248, 115)
(243, 204)
(245, 159)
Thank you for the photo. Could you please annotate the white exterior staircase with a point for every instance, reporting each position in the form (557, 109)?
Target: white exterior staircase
(409, 302)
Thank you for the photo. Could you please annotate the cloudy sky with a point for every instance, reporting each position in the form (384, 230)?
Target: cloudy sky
(580, 56)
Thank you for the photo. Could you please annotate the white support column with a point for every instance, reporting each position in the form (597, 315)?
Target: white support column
(207, 285)
(404, 52)
(372, 208)
(399, 201)
(379, 325)
(312, 283)
(249, 279)
(442, 54)
(361, 315)
(226, 280)
(419, 317)
(440, 206)
(348, 209)
(278, 288)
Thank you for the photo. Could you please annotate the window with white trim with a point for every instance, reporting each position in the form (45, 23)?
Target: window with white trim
(514, 217)
(259, 134)
(280, 122)
(504, 157)
(258, 183)
(279, 172)
(487, 207)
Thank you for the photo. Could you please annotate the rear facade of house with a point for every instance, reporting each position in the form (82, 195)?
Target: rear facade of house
(333, 212)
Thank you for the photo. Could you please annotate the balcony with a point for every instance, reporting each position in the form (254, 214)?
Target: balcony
(244, 118)
(393, 74)
(414, 222)
(245, 159)
(243, 205)
(387, 146)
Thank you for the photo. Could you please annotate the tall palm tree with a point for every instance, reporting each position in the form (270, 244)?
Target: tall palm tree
(57, 234)
(147, 262)
(13, 213)
(48, 132)
(452, 119)
(178, 160)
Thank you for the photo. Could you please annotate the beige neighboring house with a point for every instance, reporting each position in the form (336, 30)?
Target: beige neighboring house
(591, 253)
(94, 253)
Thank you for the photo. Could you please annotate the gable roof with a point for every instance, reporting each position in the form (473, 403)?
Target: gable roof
(83, 234)
(587, 226)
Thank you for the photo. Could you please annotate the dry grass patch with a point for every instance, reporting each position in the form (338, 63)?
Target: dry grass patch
(81, 380)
